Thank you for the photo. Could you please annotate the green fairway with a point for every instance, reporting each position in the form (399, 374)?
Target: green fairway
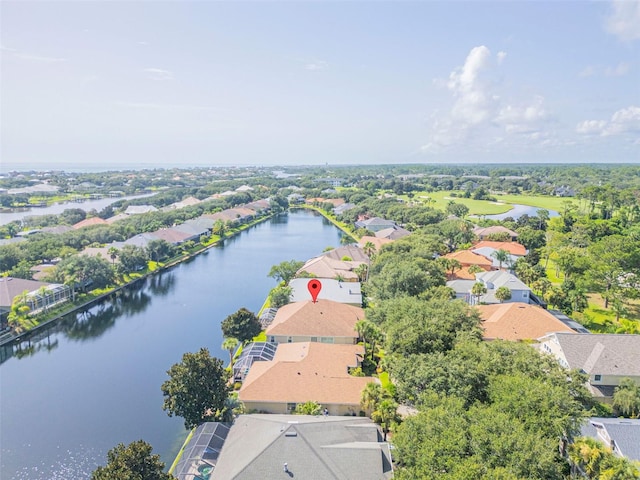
(482, 207)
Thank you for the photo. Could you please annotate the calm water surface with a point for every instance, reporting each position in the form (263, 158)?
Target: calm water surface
(94, 381)
(57, 208)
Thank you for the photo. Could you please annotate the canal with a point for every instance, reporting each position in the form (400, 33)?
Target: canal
(93, 381)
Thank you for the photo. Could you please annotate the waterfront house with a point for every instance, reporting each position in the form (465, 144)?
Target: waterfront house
(353, 253)
(393, 233)
(324, 321)
(90, 222)
(375, 224)
(303, 447)
(327, 267)
(304, 372)
(140, 209)
(605, 358)
(39, 295)
(334, 290)
(375, 241)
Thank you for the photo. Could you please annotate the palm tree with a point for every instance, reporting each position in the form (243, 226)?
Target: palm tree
(369, 249)
(371, 397)
(503, 294)
(502, 256)
(478, 290)
(113, 254)
(362, 270)
(230, 344)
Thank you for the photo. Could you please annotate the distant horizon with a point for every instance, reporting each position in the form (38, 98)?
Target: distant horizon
(98, 85)
(6, 168)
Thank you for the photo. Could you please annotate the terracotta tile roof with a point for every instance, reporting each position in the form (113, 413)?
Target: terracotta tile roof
(170, 235)
(467, 257)
(302, 372)
(326, 267)
(324, 318)
(514, 248)
(377, 242)
(518, 321)
(89, 222)
(486, 231)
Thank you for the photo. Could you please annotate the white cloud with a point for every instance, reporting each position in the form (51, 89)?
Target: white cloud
(621, 69)
(163, 106)
(625, 120)
(617, 71)
(624, 19)
(158, 74)
(588, 71)
(480, 116)
(591, 127)
(30, 57)
(523, 119)
(474, 102)
(317, 65)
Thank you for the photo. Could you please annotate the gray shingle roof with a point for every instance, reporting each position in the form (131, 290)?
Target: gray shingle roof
(623, 431)
(321, 448)
(603, 354)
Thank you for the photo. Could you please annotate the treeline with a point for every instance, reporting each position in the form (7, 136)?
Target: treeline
(485, 410)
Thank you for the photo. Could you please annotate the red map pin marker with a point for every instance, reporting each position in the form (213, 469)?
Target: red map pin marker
(314, 287)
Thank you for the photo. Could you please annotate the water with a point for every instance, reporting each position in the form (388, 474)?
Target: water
(94, 381)
(57, 208)
(519, 210)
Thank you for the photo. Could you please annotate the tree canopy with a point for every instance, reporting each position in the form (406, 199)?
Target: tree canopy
(197, 389)
(132, 462)
(243, 325)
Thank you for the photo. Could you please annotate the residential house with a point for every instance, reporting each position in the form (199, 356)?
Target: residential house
(605, 358)
(518, 321)
(375, 224)
(377, 242)
(483, 233)
(490, 253)
(352, 252)
(622, 435)
(39, 295)
(514, 248)
(244, 188)
(173, 236)
(393, 233)
(334, 290)
(467, 258)
(303, 372)
(140, 209)
(492, 281)
(253, 352)
(327, 267)
(324, 321)
(303, 447)
(90, 222)
(345, 207)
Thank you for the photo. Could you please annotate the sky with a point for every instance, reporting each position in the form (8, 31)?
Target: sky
(168, 83)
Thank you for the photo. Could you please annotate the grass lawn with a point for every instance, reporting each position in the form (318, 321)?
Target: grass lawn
(541, 201)
(483, 207)
(600, 320)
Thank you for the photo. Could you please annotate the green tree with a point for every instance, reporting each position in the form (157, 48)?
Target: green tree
(159, 250)
(308, 408)
(478, 290)
(502, 256)
(113, 254)
(197, 389)
(84, 271)
(626, 398)
(230, 344)
(503, 294)
(285, 271)
(219, 228)
(132, 258)
(243, 325)
(132, 462)
(280, 296)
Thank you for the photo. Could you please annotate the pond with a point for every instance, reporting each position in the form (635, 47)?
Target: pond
(93, 380)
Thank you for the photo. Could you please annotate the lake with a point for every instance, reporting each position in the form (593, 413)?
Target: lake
(519, 210)
(57, 208)
(94, 380)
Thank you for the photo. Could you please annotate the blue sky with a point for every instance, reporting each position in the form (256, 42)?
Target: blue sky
(258, 83)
